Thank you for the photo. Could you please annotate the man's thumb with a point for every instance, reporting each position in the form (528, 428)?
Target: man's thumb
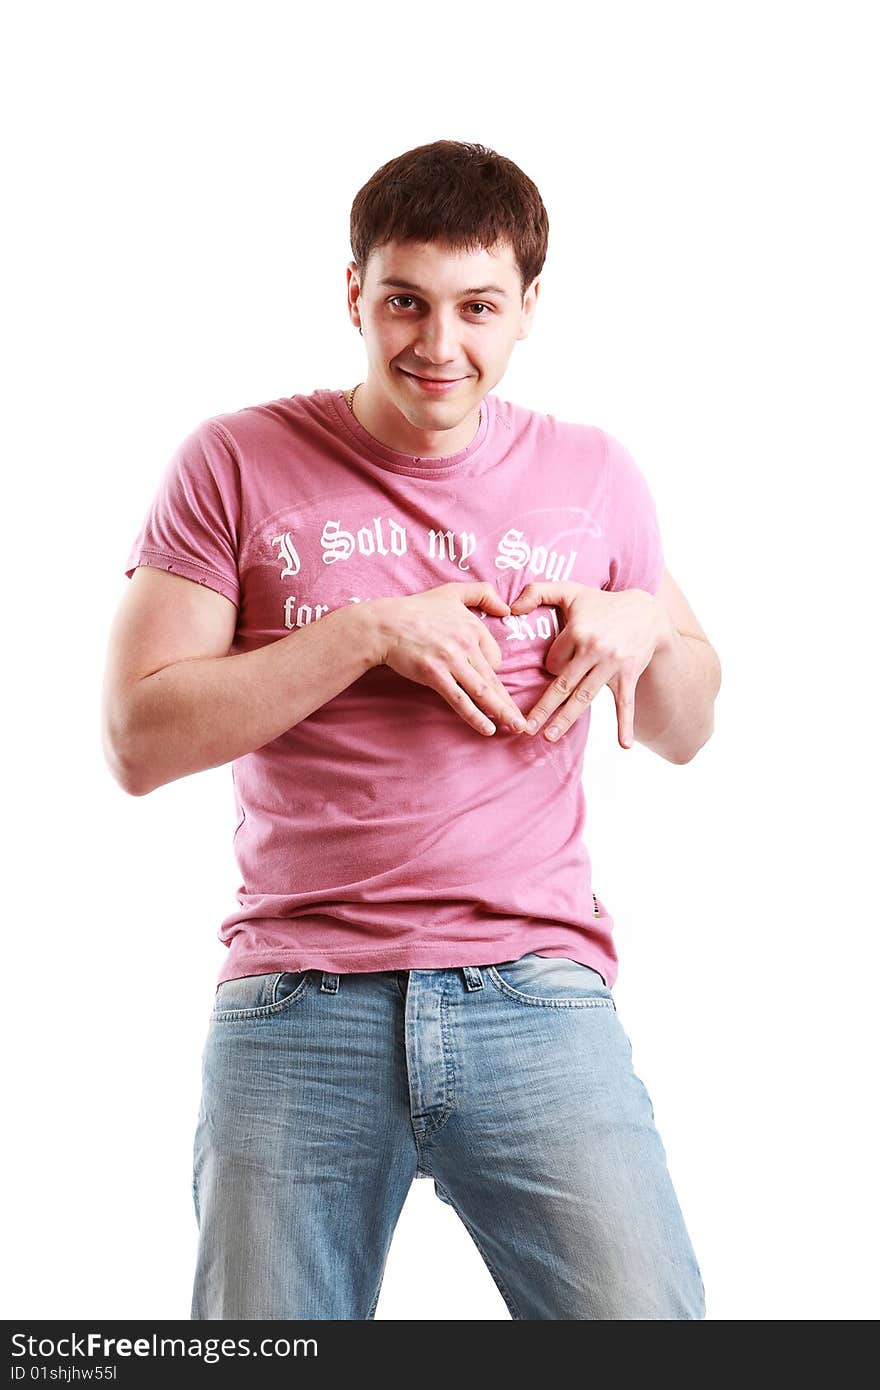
(491, 600)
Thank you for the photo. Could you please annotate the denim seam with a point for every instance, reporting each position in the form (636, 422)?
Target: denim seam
(428, 1131)
(372, 1308)
(265, 1010)
(538, 1001)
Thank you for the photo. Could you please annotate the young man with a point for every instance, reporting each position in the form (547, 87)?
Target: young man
(354, 597)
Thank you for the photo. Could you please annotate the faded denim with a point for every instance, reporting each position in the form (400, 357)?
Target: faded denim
(510, 1084)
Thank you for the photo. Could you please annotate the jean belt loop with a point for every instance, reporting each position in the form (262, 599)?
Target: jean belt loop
(329, 982)
(473, 976)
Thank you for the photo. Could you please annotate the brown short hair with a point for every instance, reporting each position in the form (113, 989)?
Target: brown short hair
(463, 195)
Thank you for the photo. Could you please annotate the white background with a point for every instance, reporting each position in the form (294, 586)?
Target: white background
(179, 179)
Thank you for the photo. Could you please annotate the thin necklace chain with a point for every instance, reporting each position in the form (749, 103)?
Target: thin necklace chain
(349, 397)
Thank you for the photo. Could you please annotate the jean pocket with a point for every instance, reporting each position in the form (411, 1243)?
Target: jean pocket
(259, 996)
(551, 981)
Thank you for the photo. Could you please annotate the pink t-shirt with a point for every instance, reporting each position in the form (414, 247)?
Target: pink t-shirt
(382, 832)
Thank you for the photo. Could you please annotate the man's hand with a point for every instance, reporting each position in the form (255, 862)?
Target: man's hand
(434, 639)
(608, 639)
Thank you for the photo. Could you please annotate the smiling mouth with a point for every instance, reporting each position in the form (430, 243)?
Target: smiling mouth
(438, 379)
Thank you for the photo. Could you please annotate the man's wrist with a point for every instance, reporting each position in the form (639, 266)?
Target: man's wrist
(668, 634)
(374, 634)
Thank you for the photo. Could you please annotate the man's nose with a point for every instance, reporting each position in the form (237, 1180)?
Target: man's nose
(437, 342)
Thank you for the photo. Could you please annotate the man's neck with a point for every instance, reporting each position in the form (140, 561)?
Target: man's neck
(389, 427)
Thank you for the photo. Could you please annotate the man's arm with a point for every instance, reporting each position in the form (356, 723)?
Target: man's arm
(675, 694)
(175, 702)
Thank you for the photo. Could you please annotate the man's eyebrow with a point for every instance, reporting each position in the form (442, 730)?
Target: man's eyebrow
(476, 289)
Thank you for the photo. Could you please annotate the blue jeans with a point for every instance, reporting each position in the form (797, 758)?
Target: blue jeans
(510, 1084)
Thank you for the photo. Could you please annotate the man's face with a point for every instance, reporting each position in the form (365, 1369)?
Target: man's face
(428, 312)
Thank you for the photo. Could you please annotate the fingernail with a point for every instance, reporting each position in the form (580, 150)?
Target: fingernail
(532, 725)
(553, 733)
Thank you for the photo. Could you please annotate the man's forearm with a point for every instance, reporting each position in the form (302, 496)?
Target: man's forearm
(675, 696)
(201, 713)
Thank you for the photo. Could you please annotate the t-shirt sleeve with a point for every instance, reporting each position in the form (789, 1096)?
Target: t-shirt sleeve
(193, 525)
(631, 523)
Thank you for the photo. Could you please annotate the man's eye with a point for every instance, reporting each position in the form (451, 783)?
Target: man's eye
(476, 304)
